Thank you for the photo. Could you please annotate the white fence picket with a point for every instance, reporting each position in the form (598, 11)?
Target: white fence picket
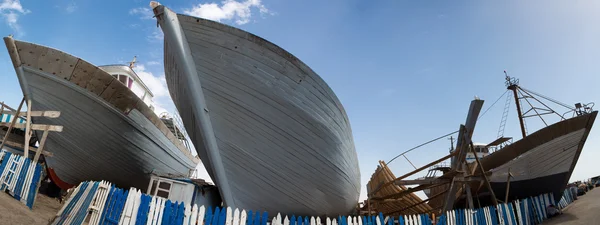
(243, 217)
(286, 221)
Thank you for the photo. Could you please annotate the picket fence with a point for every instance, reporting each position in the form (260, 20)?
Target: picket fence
(103, 203)
(20, 177)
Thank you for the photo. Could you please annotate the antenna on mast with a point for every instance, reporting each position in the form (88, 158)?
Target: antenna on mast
(132, 63)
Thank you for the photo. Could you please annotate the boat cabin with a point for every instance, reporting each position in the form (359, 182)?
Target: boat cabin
(482, 150)
(129, 78)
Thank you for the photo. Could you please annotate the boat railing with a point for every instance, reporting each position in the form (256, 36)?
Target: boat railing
(580, 110)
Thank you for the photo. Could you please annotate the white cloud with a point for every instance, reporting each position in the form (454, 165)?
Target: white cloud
(71, 7)
(144, 13)
(228, 10)
(156, 36)
(10, 11)
(153, 63)
(156, 84)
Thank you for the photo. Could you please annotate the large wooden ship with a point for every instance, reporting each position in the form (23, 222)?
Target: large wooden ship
(110, 131)
(269, 130)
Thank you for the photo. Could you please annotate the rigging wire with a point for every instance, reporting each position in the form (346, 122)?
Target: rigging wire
(421, 145)
(548, 98)
(492, 105)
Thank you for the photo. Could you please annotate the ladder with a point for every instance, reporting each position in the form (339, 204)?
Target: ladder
(504, 116)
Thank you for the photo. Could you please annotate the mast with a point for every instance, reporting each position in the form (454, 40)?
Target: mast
(513, 84)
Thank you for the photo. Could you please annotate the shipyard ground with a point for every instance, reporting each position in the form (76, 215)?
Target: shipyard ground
(14, 212)
(584, 210)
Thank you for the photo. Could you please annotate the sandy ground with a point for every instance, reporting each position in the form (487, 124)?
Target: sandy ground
(584, 210)
(14, 212)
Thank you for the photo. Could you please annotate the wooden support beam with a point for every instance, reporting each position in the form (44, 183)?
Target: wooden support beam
(47, 114)
(423, 181)
(406, 192)
(509, 175)
(11, 125)
(32, 149)
(55, 128)
(42, 143)
(486, 181)
(421, 202)
(413, 172)
(27, 130)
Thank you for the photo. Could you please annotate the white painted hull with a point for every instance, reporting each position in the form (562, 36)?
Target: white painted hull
(99, 141)
(269, 130)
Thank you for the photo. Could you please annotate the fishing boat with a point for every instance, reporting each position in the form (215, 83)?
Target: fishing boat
(270, 132)
(540, 162)
(110, 130)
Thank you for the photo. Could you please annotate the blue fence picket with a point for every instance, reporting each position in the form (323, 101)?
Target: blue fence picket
(142, 214)
(33, 189)
(208, 216)
(83, 210)
(73, 202)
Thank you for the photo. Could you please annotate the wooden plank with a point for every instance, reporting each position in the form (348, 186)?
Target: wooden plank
(55, 128)
(57, 63)
(83, 73)
(422, 181)
(47, 114)
(99, 82)
(11, 125)
(32, 149)
(28, 53)
(124, 99)
(42, 143)
(414, 172)
(27, 130)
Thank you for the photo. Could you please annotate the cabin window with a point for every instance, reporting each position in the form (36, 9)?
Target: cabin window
(161, 188)
(126, 80)
(161, 193)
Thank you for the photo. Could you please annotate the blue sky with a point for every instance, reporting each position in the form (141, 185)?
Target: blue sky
(405, 71)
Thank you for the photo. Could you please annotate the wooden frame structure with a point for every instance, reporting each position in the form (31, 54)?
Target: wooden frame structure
(391, 197)
(29, 128)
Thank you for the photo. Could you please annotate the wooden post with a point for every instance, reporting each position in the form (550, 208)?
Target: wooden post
(1, 108)
(41, 147)
(27, 130)
(486, 181)
(12, 124)
(507, 185)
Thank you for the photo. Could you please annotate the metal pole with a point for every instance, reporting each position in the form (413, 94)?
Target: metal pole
(12, 124)
(514, 89)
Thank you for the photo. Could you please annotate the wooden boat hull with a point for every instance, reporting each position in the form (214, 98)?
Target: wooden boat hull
(99, 141)
(270, 132)
(540, 163)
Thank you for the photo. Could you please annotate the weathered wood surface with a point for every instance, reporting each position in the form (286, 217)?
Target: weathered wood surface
(110, 139)
(56, 128)
(31, 149)
(257, 115)
(49, 114)
(410, 203)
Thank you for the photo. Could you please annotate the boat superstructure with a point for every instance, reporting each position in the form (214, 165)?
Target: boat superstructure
(110, 130)
(269, 130)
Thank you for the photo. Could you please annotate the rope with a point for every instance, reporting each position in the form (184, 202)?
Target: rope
(492, 105)
(421, 145)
